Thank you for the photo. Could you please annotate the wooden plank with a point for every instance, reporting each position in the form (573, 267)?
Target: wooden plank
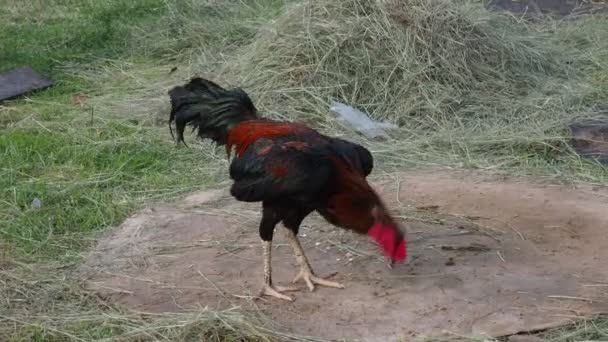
(21, 81)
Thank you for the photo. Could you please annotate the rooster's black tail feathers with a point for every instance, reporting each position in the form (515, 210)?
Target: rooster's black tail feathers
(208, 107)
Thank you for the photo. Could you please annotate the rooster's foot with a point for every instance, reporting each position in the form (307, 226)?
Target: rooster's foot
(312, 279)
(275, 291)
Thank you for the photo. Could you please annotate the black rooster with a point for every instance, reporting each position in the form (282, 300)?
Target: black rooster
(292, 169)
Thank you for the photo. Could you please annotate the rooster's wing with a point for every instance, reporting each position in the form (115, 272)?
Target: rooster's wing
(281, 168)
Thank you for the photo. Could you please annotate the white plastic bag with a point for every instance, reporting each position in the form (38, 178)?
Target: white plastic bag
(360, 121)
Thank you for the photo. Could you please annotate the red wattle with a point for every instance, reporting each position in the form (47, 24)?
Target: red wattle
(389, 240)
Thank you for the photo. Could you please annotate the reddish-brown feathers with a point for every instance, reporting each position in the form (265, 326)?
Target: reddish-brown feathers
(264, 150)
(351, 186)
(353, 199)
(298, 145)
(279, 170)
(245, 133)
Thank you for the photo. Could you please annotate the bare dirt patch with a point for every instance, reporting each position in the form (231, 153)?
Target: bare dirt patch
(488, 256)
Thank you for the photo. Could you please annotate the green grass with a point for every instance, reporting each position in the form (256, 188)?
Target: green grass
(86, 181)
(47, 34)
(92, 164)
(468, 88)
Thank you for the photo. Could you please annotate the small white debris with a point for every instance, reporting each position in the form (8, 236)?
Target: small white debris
(350, 259)
(302, 235)
(348, 255)
(361, 121)
(36, 203)
(317, 243)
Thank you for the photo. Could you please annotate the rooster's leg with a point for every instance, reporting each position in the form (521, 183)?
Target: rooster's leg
(306, 271)
(268, 289)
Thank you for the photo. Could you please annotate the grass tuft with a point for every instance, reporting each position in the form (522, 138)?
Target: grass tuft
(467, 87)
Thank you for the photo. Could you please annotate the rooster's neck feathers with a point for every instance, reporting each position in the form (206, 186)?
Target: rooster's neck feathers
(247, 132)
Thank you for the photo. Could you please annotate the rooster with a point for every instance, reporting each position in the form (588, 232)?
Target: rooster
(292, 169)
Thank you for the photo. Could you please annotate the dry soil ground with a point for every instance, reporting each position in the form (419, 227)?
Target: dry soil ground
(488, 256)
